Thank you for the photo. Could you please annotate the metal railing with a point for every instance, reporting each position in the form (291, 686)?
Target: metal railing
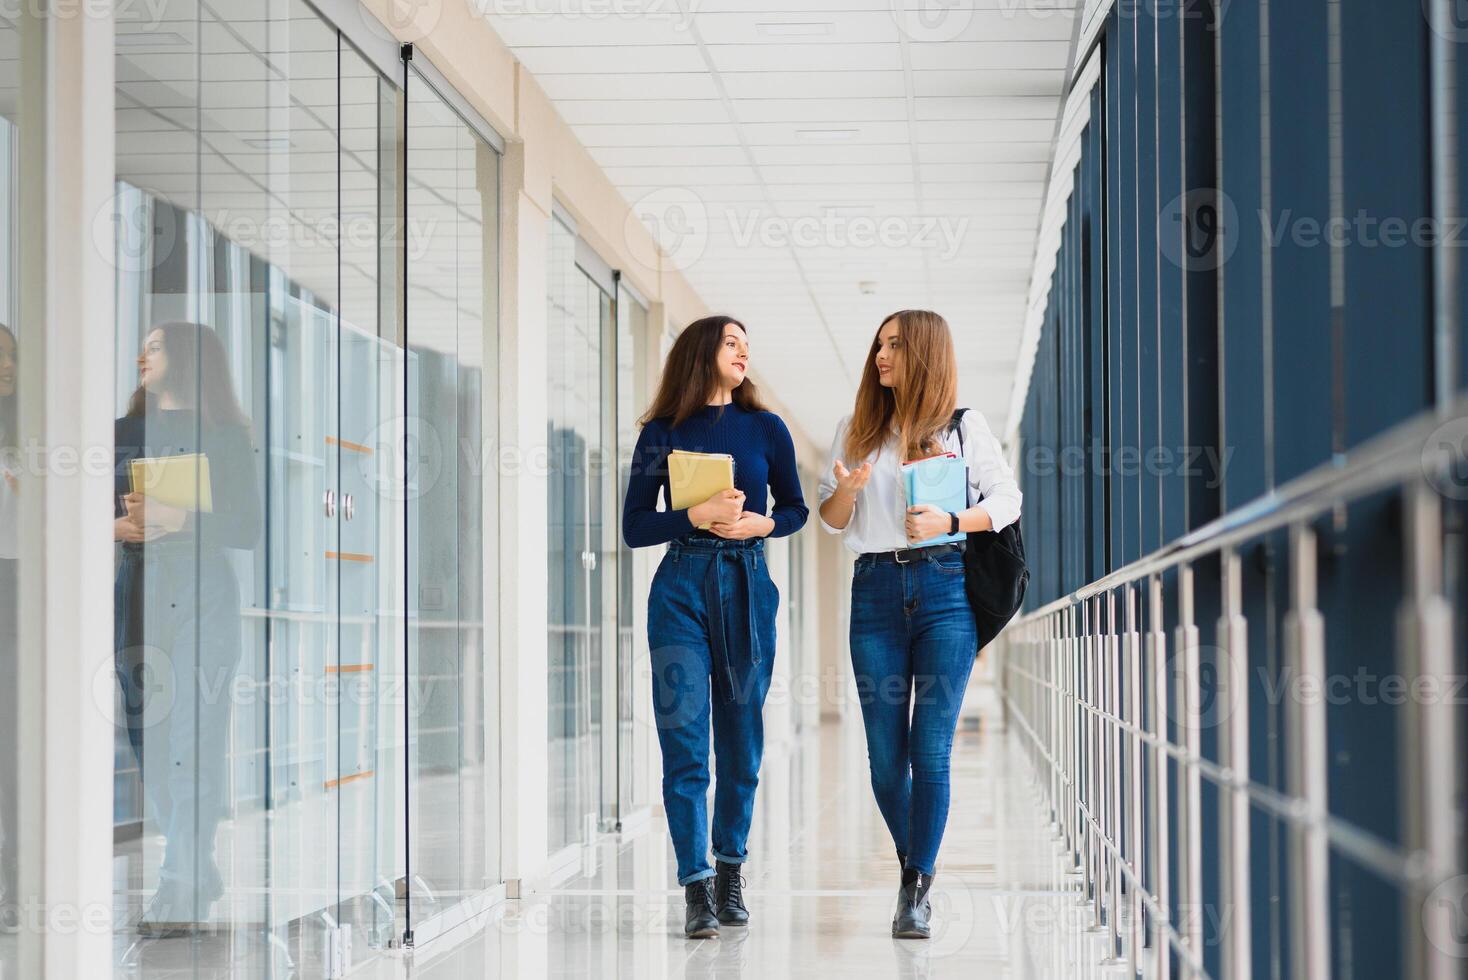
(1087, 681)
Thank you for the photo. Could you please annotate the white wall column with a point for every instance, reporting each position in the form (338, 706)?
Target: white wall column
(66, 342)
(523, 571)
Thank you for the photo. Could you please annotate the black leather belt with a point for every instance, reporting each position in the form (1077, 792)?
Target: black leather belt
(904, 555)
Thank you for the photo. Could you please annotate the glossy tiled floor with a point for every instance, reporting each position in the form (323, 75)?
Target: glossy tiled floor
(821, 883)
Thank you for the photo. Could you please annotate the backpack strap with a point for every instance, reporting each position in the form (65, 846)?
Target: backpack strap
(955, 424)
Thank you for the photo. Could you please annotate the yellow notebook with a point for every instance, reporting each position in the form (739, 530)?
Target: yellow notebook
(178, 481)
(695, 477)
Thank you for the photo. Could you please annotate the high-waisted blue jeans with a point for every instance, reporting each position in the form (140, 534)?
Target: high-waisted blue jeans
(711, 630)
(913, 642)
(177, 648)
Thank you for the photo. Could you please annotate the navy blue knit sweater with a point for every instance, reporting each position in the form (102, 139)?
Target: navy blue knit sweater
(764, 455)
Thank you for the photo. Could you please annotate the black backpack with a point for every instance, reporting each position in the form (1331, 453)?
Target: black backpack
(994, 573)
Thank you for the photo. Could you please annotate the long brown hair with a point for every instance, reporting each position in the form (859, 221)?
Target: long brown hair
(691, 374)
(920, 404)
(197, 376)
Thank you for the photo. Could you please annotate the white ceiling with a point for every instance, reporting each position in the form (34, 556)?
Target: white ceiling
(787, 152)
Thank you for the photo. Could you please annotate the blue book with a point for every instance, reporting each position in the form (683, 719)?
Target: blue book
(940, 481)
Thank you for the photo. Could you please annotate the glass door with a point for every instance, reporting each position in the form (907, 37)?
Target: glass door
(306, 252)
(449, 500)
(632, 743)
(260, 762)
(367, 680)
(228, 257)
(579, 317)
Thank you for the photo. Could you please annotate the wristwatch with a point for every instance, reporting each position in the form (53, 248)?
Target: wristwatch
(952, 522)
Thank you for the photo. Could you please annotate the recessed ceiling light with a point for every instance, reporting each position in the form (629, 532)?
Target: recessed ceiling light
(795, 28)
(825, 135)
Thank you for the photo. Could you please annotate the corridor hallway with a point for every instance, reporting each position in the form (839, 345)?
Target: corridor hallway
(330, 335)
(821, 886)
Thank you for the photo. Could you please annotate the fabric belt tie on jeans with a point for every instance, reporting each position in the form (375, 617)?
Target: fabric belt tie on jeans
(724, 647)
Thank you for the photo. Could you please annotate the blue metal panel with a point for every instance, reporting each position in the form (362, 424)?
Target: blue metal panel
(1200, 308)
(1388, 277)
(1151, 463)
(1299, 164)
(1114, 86)
(1171, 367)
(1241, 255)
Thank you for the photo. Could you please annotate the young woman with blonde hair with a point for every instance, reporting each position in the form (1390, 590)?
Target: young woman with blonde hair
(913, 636)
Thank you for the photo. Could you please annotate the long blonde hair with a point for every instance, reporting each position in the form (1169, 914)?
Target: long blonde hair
(920, 405)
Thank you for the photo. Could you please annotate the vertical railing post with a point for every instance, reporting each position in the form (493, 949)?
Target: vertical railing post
(1131, 699)
(1052, 718)
(1057, 680)
(1158, 801)
(1233, 719)
(1095, 863)
(1073, 722)
(1190, 780)
(1306, 766)
(1429, 764)
(1112, 701)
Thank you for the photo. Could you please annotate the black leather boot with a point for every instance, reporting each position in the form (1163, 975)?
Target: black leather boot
(699, 920)
(729, 895)
(913, 906)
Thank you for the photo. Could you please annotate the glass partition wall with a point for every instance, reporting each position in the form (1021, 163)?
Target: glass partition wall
(596, 329)
(22, 49)
(306, 254)
(581, 532)
(452, 258)
(634, 686)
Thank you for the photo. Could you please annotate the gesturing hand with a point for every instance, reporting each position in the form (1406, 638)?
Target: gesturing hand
(749, 525)
(851, 482)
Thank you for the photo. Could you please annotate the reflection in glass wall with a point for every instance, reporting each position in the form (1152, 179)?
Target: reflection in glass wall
(452, 261)
(11, 486)
(228, 593)
(301, 629)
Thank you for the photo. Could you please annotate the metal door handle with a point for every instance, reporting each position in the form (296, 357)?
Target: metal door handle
(349, 506)
(588, 560)
(328, 500)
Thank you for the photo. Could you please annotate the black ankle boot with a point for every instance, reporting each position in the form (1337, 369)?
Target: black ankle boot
(699, 921)
(729, 895)
(913, 906)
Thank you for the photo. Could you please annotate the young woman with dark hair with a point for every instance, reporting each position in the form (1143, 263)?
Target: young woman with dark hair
(177, 603)
(913, 637)
(711, 610)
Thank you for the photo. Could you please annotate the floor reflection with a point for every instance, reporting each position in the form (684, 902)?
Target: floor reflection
(822, 884)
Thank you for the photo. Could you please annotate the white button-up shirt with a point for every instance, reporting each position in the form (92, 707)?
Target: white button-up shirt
(878, 519)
